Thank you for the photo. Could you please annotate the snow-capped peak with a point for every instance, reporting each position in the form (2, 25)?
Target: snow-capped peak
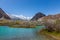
(20, 16)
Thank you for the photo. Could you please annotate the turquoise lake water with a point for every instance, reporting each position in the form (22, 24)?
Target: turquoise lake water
(7, 33)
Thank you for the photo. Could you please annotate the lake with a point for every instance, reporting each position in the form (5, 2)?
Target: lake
(7, 33)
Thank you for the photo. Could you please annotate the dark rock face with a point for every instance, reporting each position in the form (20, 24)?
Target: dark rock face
(37, 16)
(3, 14)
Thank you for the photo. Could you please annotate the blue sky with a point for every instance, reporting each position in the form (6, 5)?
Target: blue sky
(30, 7)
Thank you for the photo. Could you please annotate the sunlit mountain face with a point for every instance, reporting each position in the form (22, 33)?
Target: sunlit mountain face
(19, 17)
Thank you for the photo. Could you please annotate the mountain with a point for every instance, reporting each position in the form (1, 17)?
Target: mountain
(37, 16)
(3, 15)
(19, 17)
(51, 22)
(50, 17)
(14, 17)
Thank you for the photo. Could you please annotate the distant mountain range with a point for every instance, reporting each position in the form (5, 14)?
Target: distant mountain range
(19, 17)
(3, 15)
(37, 16)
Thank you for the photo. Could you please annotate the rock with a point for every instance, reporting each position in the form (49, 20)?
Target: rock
(3, 15)
(37, 16)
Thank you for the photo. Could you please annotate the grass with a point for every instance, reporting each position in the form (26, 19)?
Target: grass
(18, 24)
(54, 34)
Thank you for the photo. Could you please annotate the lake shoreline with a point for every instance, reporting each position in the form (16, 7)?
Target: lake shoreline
(43, 32)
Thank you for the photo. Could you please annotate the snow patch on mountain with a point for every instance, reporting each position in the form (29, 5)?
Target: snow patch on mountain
(20, 17)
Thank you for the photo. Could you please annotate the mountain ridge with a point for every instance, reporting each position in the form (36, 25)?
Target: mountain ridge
(4, 15)
(37, 16)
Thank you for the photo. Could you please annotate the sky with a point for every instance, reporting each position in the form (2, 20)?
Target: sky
(30, 7)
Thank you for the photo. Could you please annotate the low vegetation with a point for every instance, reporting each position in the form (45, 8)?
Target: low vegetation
(52, 25)
(18, 23)
(54, 35)
(52, 28)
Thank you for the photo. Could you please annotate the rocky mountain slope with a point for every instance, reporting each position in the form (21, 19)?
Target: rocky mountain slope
(3, 15)
(37, 16)
(53, 17)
